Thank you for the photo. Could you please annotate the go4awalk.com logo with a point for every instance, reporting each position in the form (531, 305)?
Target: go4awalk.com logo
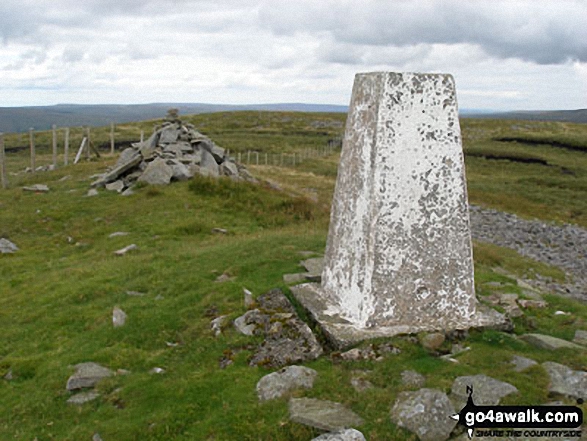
(520, 421)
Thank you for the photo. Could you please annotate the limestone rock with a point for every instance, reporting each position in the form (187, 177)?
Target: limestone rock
(522, 363)
(565, 381)
(487, 391)
(359, 381)
(248, 298)
(180, 172)
(87, 375)
(580, 336)
(157, 173)
(116, 186)
(548, 342)
(126, 155)
(247, 323)
(341, 435)
(314, 265)
(228, 168)
(279, 383)
(83, 397)
(432, 341)
(92, 192)
(116, 172)
(118, 317)
(322, 414)
(123, 251)
(295, 277)
(7, 247)
(413, 379)
(217, 324)
(208, 164)
(426, 413)
(37, 188)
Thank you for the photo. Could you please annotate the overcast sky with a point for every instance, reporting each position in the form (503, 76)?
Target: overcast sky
(504, 54)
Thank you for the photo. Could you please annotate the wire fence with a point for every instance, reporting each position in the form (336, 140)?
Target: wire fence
(65, 146)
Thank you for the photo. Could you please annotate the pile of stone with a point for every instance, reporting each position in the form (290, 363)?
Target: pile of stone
(174, 152)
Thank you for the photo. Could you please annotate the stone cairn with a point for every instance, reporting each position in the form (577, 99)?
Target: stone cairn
(175, 151)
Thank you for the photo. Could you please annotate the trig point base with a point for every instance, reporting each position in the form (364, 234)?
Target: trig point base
(399, 255)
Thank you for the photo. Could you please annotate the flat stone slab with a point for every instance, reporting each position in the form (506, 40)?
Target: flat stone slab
(341, 333)
(341, 435)
(565, 381)
(322, 414)
(522, 363)
(426, 413)
(549, 342)
(580, 336)
(277, 384)
(314, 265)
(87, 375)
(38, 188)
(487, 391)
(83, 397)
(157, 173)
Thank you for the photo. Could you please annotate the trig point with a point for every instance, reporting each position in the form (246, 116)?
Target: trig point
(399, 256)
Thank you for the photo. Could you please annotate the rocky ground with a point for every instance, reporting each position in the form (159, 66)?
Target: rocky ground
(563, 246)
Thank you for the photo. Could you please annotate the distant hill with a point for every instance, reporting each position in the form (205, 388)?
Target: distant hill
(576, 116)
(20, 119)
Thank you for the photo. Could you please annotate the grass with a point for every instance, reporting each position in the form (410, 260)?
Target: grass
(58, 291)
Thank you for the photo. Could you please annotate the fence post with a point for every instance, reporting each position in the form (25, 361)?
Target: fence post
(248, 157)
(88, 142)
(142, 136)
(66, 147)
(257, 158)
(266, 158)
(111, 138)
(4, 178)
(33, 153)
(239, 157)
(54, 129)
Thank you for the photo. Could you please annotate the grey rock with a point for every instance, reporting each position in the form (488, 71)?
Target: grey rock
(532, 304)
(565, 381)
(157, 370)
(217, 324)
(97, 437)
(118, 234)
(169, 134)
(248, 298)
(580, 337)
(413, 379)
(7, 247)
(180, 172)
(135, 293)
(116, 172)
(128, 192)
(125, 156)
(223, 278)
(314, 265)
(426, 413)
(9, 375)
(522, 363)
(228, 168)
(118, 317)
(123, 251)
(92, 192)
(341, 435)
(322, 414)
(83, 397)
(277, 384)
(87, 375)
(157, 173)
(208, 165)
(247, 323)
(117, 186)
(38, 188)
(548, 342)
(487, 391)
(432, 341)
(359, 381)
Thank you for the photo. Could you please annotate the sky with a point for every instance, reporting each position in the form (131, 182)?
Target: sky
(504, 55)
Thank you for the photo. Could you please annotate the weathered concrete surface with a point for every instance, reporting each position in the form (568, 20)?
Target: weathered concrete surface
(399, 256)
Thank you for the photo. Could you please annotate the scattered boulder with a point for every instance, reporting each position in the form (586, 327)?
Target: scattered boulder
(87, 375)
(247, 323)
(487, 391)
(413, 379)
(97, 437)
(118, 317)
(369, 352)
(83, 397)
(341, 435)
(116, 186)
(7, 247)
(248, 298)
(549, 342)
(126, 249)
(118, 234)
(532, 304)
(426, 413)
(37, 188)
(217, 324)
(296, 277)
(565, 381)
(580, 337)
(92, 192)
(359, 381)
(432, 341)
(279, 383)
(157, 370)
(322, 414)
(522, 363)
(314, 267)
